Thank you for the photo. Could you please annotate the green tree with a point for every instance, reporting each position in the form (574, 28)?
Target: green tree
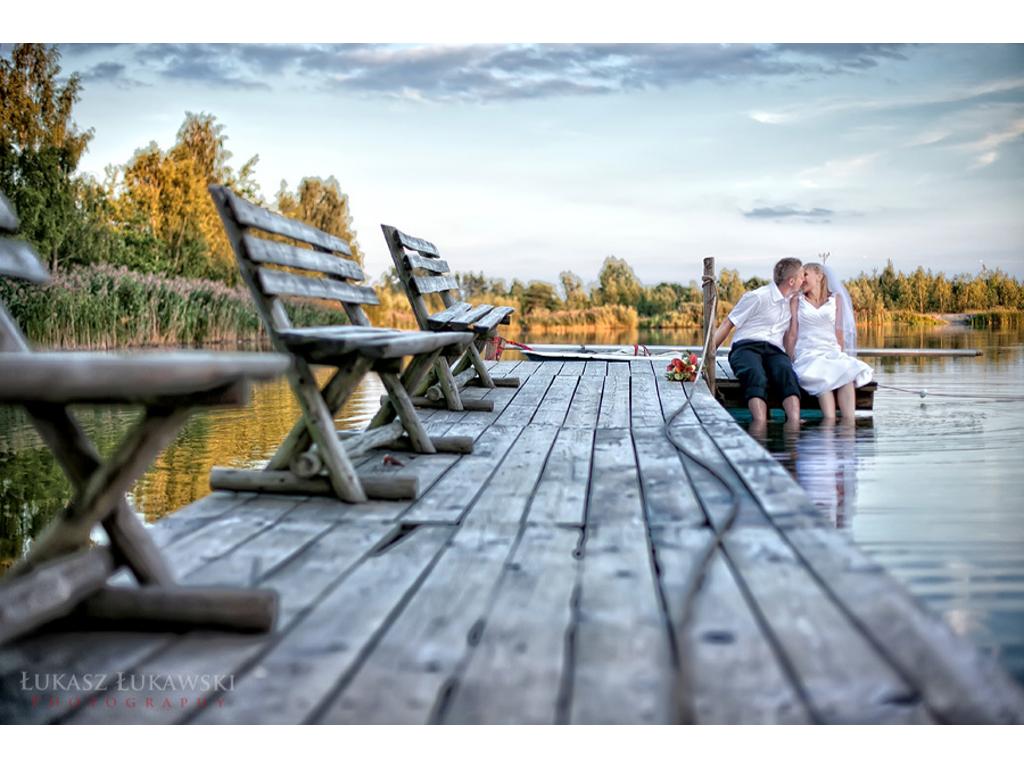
(617, 284)
(730, 287)
(572, 287)
(162, 201)
(321, 202)
(40, 147)
(540, 295)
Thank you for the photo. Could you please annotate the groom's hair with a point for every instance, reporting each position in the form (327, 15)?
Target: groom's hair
(785, 268)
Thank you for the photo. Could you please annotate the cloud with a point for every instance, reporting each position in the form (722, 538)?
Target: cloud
(950, 95)
(835, 173)
(779, 212)
(990, 142)
(496, 72)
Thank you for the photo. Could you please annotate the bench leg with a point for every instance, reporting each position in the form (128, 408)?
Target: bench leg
(399, 400)
(340, 387)
(320, 423)
(101, 492)
(129, 541)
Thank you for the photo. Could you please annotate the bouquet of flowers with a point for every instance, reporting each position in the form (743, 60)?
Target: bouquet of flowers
(683, 369)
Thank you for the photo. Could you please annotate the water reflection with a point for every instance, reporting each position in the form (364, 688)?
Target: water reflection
(823, 459)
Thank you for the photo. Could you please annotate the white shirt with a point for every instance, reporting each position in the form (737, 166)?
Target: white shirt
(761, 315)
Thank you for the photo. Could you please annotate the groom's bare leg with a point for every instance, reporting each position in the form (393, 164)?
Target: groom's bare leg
(828, 407)
(758, 410)
(848, 403)
(791, 405)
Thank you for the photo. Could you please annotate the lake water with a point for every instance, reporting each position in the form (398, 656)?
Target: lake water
(932, 488)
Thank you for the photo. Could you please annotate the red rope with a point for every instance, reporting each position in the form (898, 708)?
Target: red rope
(501, 343)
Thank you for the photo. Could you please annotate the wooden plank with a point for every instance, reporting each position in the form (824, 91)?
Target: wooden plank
(424, 247)
(250, 215)
(195, 516)
(844, 678)
(729, 673)
(18, 259)
(621, 645)
(526, 401)
(644, 367)
(506, 497)
(434, 284)
(300, 673)
(469, 316)
(494, 318)
(572, 368)
(644, 402)
(586, 403)
(668, 495)
(301, 582)
(277, 283)
(443, 317)
(595, 368)
(431, 264)
(227, 532)
(264, 251)
(515, 671)
(453, 493)
(561, 494)
(614, 413)
(736, 676)
(90, 657)
(555, 405)
(958, 684)
(618, 369)
(100, 377)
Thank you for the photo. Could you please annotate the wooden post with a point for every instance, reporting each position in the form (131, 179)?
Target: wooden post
(710, 294)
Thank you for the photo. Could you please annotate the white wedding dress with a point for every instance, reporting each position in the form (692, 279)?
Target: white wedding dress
(819, 363)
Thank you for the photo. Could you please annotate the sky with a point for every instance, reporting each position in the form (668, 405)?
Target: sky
(526, 160)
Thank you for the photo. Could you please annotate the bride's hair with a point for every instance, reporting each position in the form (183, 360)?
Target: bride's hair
(823, 290)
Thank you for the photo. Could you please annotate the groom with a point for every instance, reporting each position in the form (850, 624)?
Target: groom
(759, 360)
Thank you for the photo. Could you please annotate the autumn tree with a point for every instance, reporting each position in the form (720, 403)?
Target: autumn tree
(617, 284)
(163, 201)
(572, 288)
(40, 146)
(321, 202)
(540, 295)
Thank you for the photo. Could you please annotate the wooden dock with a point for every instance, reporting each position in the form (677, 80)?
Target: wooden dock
(555, 575)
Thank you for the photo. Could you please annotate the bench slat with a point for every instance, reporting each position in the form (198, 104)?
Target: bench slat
(389, 345)
(425, 247)
(431, 264)
(8, 218)
(277, 283)
(269, 252)
(250, 215)
(448, 313)
(493, 318)
(102, 377)
(435, 284)
(19, 259)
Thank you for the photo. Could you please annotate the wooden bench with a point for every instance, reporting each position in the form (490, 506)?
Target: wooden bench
(62, 572)
(422, 271)
(320, 267)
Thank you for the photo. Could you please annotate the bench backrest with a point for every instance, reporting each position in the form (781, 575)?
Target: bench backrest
(421, 271)
(18, 259)
(319, 265)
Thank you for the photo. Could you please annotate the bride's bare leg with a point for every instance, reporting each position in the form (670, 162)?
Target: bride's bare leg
(828, 407)
(847, 402)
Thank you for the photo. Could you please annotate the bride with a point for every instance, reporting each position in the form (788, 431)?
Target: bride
(822, 339)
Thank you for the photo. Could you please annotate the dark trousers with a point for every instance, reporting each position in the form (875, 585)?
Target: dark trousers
(763, 370)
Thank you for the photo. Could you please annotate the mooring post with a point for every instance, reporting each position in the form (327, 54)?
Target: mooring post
(710, 294)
